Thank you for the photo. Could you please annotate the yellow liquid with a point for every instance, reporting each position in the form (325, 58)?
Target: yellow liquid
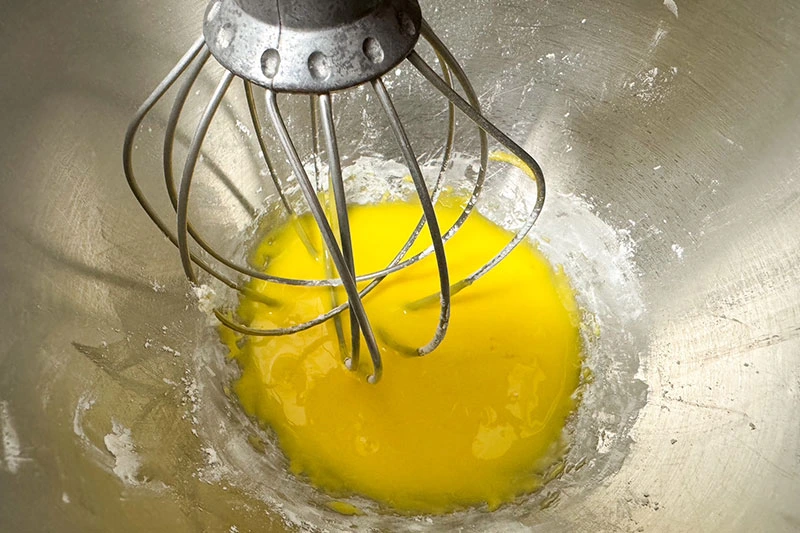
(476, 421)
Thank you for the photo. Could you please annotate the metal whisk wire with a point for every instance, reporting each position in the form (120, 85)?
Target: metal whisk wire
(340, 251)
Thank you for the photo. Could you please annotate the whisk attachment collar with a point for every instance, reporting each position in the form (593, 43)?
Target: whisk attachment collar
(309, 46)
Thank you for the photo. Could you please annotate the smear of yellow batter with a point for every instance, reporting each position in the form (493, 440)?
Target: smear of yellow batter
(476, 421)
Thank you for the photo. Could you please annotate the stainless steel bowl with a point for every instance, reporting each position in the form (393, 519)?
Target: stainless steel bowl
(673, 125)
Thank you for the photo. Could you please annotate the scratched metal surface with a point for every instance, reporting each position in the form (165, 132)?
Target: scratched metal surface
(678, 121)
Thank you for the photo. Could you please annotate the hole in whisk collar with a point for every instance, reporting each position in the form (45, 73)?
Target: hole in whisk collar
(373, 50)
(319, 66)
(270, 61)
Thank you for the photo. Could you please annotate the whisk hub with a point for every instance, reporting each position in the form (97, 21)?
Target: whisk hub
(309, 46)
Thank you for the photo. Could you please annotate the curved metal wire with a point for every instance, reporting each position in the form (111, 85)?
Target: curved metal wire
(427, 210)
(342, 257)
(314, 205)
(169, 142)
(447, 154)
(534, 170)
(471, 109)
(188, 173)
(345, 239)
(127, 156)
(350, 357)
(394, 266)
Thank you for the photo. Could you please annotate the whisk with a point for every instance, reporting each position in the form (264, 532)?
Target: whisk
(319, 47)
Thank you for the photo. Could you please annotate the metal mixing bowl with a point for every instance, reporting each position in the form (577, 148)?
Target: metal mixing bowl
(677, 125)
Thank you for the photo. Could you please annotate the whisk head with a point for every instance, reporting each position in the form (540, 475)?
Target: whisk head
(318, 48)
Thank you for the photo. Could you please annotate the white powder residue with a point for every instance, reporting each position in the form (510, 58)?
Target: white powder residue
(659, 34)
(672, 6)
(587, 247)
(678, 250)
(206, 299)
(191, 400)
(647, 81)
(84, 404)
(605, 441)
(368, 166)
(212, 458)
(241, 127)
(172, 351)
(157, 287)
(12, 451)
(651, 85)
(120, 443)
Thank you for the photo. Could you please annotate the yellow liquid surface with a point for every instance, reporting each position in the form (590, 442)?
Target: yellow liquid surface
(476, 421)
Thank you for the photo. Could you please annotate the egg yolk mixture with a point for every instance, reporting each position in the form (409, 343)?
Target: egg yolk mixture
(476, 421)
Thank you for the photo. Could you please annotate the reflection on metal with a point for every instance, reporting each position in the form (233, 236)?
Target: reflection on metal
(712, 447)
